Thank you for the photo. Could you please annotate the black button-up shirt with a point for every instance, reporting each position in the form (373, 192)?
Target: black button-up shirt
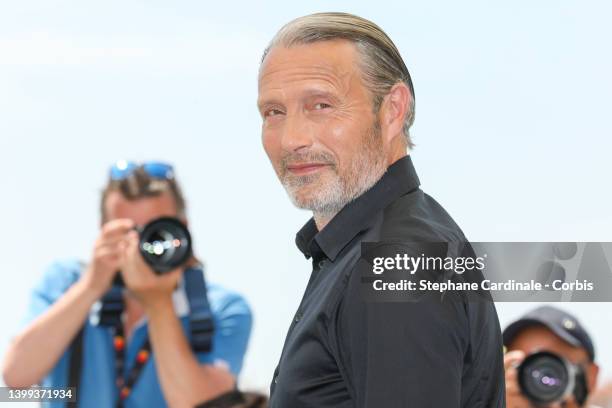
(342, 351)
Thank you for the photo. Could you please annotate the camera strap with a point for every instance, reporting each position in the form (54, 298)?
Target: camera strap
(74, 367)
(200, 316)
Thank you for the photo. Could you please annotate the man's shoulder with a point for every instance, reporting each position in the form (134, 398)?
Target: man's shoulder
(60, 275)
(54, 282)
(226, 301)
(418, 217)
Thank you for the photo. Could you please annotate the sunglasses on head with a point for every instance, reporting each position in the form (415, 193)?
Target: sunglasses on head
(125, 168)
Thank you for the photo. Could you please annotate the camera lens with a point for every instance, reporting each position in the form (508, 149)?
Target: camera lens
(165, 244)
(545, 378)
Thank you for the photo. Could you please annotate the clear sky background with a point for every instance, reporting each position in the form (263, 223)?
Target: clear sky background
(512, 131)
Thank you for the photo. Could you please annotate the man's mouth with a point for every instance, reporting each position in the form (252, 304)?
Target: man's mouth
(301, 169)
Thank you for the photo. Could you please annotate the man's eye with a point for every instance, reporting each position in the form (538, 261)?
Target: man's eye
(272, 112)
(321, 105)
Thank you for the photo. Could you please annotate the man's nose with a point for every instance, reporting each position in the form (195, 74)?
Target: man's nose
(297, 133)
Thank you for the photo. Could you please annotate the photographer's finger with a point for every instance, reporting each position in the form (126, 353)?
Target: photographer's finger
(512, 384)
(121, 247)
(131, 240)
(109, 253)
(118, 226)
(512, 359)
(114, 246)
(128, 248)
(511, 373)
(111, 240)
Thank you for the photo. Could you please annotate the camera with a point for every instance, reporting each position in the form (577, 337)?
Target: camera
(165, 243)
(546, 378)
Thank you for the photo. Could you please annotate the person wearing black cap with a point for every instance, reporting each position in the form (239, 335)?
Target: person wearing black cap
(552, 330)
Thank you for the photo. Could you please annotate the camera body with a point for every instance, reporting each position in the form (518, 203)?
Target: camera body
(546, 378)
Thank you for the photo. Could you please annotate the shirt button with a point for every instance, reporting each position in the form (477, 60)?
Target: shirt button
(298, 317)
(276, 380)
(321, 264)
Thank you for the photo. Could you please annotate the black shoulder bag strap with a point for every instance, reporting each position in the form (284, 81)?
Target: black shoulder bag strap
(74, 368)
(200, 315)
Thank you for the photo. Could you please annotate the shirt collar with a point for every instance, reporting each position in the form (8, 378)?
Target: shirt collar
(399, 179)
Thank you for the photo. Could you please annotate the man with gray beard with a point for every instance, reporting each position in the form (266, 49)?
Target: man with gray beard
(337, 103)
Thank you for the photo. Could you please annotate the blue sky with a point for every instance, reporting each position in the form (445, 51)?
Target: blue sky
(512, 131)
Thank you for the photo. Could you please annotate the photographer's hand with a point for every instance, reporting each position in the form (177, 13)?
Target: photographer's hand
(514, 397)
(147, 286)
(185, 382)
(106, 256)
(34, 352)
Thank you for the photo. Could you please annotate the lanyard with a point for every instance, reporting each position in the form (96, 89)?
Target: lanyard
(125, 384)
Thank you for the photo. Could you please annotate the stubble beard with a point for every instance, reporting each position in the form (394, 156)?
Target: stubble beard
(334, 189)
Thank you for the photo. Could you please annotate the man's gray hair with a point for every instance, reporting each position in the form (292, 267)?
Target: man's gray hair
(381, 63)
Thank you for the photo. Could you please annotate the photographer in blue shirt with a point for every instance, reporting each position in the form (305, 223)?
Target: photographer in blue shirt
(149, 358)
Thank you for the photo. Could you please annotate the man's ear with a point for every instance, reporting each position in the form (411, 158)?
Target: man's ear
(394, 108)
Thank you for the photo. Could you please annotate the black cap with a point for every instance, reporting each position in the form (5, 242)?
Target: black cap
(563, 324)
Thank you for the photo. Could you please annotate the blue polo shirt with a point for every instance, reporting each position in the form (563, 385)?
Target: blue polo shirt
(232, 319)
